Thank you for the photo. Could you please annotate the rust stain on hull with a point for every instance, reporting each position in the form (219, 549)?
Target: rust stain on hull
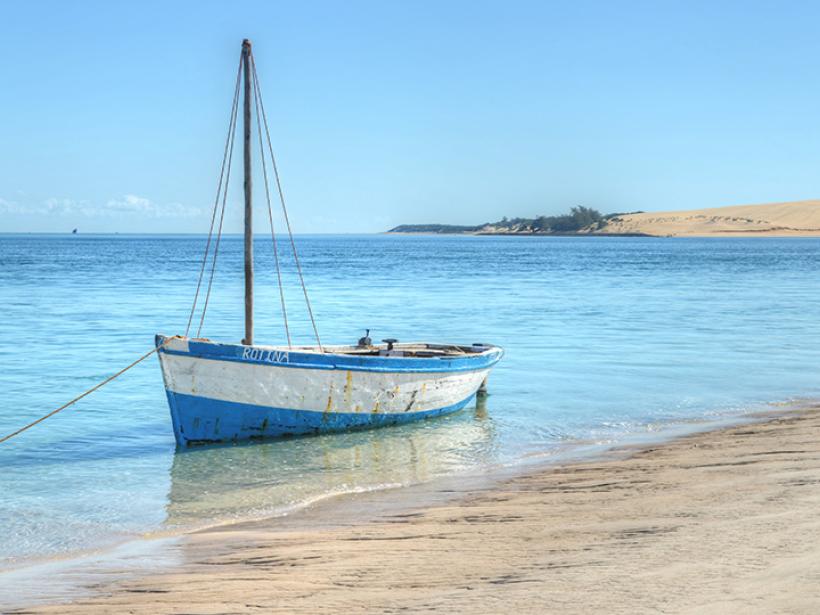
(348, 388)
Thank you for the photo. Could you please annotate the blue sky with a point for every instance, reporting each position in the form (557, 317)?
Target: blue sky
(113, 114)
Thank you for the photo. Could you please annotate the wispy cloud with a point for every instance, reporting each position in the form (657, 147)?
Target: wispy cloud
(129, 205)
(8, 207)
(64, 207)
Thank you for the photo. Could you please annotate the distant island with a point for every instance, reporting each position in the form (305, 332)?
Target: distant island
(579, 220)
(791, 219)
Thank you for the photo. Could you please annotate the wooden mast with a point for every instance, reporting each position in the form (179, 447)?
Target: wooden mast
(246, 53)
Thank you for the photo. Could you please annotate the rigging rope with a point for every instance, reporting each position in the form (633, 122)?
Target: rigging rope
(232, 132)
(222, 190)
(79, 397)
(270, 217)
(231, 124)
(282, 200)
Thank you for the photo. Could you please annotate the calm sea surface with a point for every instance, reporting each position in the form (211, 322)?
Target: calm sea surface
(605, 338)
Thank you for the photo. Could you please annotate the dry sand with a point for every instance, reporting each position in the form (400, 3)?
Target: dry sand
(726, 521)
(801, 218)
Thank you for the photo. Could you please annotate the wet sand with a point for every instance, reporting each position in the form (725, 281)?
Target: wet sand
(726, 521)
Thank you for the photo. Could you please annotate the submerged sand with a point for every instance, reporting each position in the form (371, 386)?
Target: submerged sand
(726, 521)
(800, 218)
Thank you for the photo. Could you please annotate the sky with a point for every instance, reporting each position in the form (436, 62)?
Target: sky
(113, 115)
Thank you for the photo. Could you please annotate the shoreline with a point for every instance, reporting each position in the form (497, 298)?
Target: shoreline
(568, 451)
(785, 219)
(72, 574)
(76, 571)
(490, 234)
(379, 524)
(783, 234)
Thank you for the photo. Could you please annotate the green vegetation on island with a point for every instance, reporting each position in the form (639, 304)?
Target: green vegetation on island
(579, 220)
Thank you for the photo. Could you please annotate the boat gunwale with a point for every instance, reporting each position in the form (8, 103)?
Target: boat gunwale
(279, 356)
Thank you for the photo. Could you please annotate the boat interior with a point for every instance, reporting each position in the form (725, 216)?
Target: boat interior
(391, 348)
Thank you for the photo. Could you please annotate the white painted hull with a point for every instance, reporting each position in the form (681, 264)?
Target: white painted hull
(266, 392)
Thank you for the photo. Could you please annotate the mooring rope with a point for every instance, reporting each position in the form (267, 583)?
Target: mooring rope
(270, 217)
(79, 397)
(228, 140)
(284, 208)
(222, 190)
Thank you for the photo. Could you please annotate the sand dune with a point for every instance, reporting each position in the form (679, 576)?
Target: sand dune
(799, 218)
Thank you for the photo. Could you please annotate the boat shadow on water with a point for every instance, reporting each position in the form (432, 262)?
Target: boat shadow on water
(220, 483)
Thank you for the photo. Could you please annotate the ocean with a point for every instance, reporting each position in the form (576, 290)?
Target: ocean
(606, 339)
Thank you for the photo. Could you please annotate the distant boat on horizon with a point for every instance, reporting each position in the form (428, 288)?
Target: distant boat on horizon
(230, 392)
(74, 232)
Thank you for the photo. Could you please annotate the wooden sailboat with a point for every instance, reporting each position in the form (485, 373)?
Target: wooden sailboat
(219, 392)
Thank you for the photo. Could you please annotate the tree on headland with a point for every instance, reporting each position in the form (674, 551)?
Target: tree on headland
(578, 219)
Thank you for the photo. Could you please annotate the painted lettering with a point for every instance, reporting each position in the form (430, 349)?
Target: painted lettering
(281, 357)
(268, 356)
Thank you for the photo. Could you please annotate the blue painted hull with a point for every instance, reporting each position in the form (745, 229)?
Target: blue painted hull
(199, 420)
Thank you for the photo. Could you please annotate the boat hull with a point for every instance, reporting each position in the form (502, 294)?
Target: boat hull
(228, 392)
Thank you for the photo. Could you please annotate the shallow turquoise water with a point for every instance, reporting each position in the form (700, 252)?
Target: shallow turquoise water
(605, 337)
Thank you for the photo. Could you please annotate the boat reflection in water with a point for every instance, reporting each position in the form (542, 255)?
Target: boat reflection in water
(228, 483)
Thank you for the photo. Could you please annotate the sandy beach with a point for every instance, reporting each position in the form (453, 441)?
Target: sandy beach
(787, 219)
(722, 521)
(791, 219)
